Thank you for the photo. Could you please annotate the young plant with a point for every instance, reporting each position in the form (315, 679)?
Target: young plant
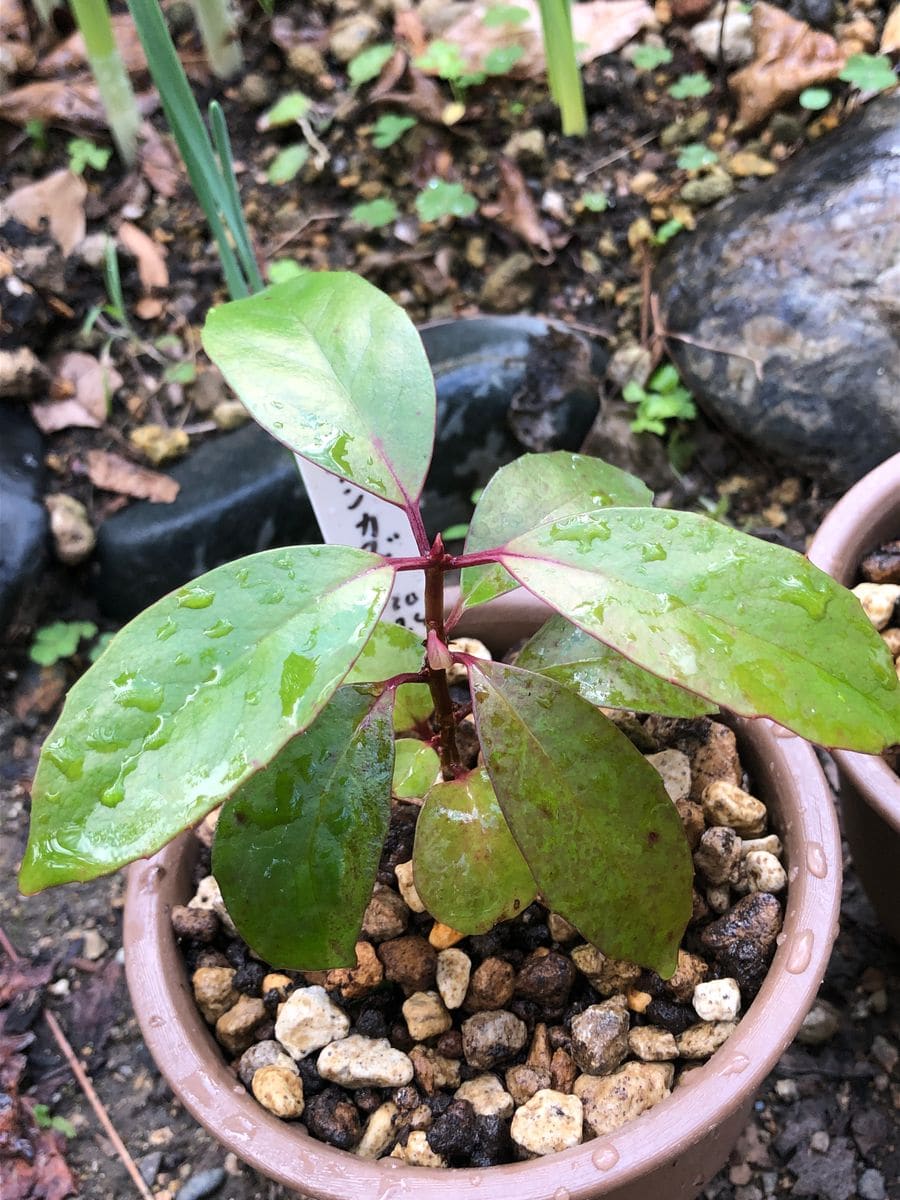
(390, 128)
(272, 685)
(84, 153)
(439, 199)
(563, 71)
(59, 640)
(113, 84)
(691, 86)
(218, 31)
(665, 398)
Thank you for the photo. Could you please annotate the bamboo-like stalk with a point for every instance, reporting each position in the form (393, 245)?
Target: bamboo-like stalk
(218, 29)
(44, 10)
(563, 71)
(113, 84)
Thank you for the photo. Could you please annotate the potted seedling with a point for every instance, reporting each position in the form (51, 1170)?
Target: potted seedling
(270, 686)
(870, 791)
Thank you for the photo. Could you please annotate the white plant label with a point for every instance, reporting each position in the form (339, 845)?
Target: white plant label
(348, 516)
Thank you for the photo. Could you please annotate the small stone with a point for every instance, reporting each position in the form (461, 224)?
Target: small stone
(200, 1185)
(651, 1044)
(196, 924)
(718, 898)
(885, 1053)
(692, 820)
(236, 1027)
(726, 804)
(675, 769)
(743, 940)
(453, 1131)
(386, 916)
(708, 189)
(209, 895)
(306, 60)
(744, 164)
(442, 936)
(691, 129)
(690, 970)
(434, 1071)
(425, 1016)
(487, 1095)
(871, 1185)
(771, 844)
(332, 1117)
(607, 975)
(309, 1020)
(491, 985)
(528, 146)
(259, 1055)
(73, 535)
(764, 872)
(410, 962)
(255, 90)
(718, 856)
(735, 34)
(406, 884)
(280, 1090)
(21, 374)
(560, 929)
(214, 991)
(878, 601)
(600, 1036)
(353, 34)
(703, 1040)
(357, 1061)
(380, 1132)
(820, 1024)
(230, 414)
(490, 1038)
(611, 1101)
(563, 1070)
(546, 978)
(548, 1123)
(509, 286)
(417, 1152)
(159, 444)
(358, 981)
(454, 969)
(717, 1000)
(524, 1081)
(892, 641)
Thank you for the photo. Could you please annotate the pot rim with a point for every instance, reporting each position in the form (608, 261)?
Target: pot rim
(859, 519)
(193, 1064)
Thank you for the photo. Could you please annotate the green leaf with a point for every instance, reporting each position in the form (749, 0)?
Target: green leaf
(691, 86)
(502, 59)
(815, 98)
(335, 370)
(413, 706)
(505, 14)
(752, 626)
(368, 63)
(283, 269)
(394, 650)
(439, 199)
(287, 163)
(46, 1120)
(287, 111)
(376, 213)
(664, 379)
(467, 868)
(695, 156)
(59, 640)
(443, 59)
(562, 651)
(590, 815)
(648, 58)
(869, 72)
(667, 231)
(566, 483)
(84, 153)
(416, 766)
(191, 698)
(389, 129)
(298, 845)
(597, 202)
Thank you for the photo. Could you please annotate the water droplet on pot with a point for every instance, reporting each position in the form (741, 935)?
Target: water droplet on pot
(605, 1157)
(195, 597)
(736, 1065)
(562, 1194)
(156, 1022)
(816, 860)
(153, 877)
(801, 953)
(793, 872)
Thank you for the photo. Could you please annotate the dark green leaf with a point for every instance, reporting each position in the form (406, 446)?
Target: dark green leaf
(298, 845)
(416, 767)
(589, 813)
(191, 698)
(752, 626)
(468, 870)
(412, 706)
(562, 483)
(562, 651)
(335, 370)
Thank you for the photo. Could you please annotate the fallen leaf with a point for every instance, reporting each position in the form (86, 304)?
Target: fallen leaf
(70, 53)
(22, 976)
(151, 257)
(516, 209)
(116, 474)
(599, 27)
(790, 56)
(158, 162)
(424, 98)
(46, 1177)
(890, 35)
(72, 103)
(13, 22)
(159, 443)
(58, 200)
(408, 28)
(87, 385)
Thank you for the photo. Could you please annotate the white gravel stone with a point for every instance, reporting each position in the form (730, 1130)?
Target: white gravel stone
(820, 1024)
(309, 1020)
(406, 884)
(612, 1100)
(487, 1095)
(878, 601)
(425, 1016)
(280, 1090)
(675, 769)
(209, 895)
(549, 1122)
(454, 969)
(701, 1041)
(458, 673)
(717, 1000)
(764, 872)
(725, 803)
(651, 1044)
(359, 1061)
(771, 844)
(417, 1152)
(561, 930)
(735, 34)
(380, 1132)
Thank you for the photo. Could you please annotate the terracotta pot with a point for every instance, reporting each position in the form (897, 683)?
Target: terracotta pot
(673, 1150)
(868, 515)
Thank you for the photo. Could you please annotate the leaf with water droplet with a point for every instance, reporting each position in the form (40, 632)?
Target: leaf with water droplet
(752, 626)
(298, 845)
(416, 766)
(176, 711)
(565, 483)
(338, 372)
(562, 651)
(395, 650)
(590, 815)
(468, 869)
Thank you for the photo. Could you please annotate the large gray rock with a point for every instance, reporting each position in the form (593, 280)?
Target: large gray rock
(23, 519)
(801, 277)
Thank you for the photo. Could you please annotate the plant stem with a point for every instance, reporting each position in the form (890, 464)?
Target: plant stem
(563, 72)
(44, 9)
(113, 84)
(219, 33)
(451, 766)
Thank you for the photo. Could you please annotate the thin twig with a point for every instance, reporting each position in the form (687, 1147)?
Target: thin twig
(581, 176)
(295, 233)
(720, 53)
(85, 1084)
(646, 290)
(660, 331)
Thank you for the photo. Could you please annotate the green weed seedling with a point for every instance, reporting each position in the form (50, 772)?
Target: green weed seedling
(274, 685)
(389, 129)
(664, 399)
(690, 87)
(439, 199)
(60, 640)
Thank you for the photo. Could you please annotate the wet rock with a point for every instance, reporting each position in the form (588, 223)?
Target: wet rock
(380, 1132)
(308, 1021)
(547, 978)
(357, 1061)
(490, 1038)
(236, 1027)
(453, 1131)
(23, 519)
(600, 1036)
(202, 1184)
(279, 1089)
(524, 1081)
(353, 34)
(767, 274)
(820, 1024)
(386, 916)
(879, 601)
(651, 1044)
(491, 985)
(410, 962)
(718, 855)
(509, 286)
(454, 969)
(354, 982)
(726, 804)
(425, 1016)
(612, 1100)
(333, 1117)
(607, 975)
(733, 33)
(214, 991)
(669, 1014)
(743, 940)
(417, 1152)
(548, 1123)
(197, 924)
(492, 1142)
(717, 1000)
(406, 883)
(434, 1070)
(704, 1039)
(764, 872)
(259, 1055)
(487, 1096)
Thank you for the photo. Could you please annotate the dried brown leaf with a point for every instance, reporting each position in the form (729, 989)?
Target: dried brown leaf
(87, 386)
(70, 54)
(159, 163)
(516, 209)
(71, 103)
(890, 35)
(151, 257)
(46, 1177)
(21, 976)
(58, 200)
(116, 474)
(408, 28)
(424, 98)
(790, 56)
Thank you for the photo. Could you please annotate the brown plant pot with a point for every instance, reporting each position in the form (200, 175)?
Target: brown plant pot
(673, 1150)
(868, 515)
